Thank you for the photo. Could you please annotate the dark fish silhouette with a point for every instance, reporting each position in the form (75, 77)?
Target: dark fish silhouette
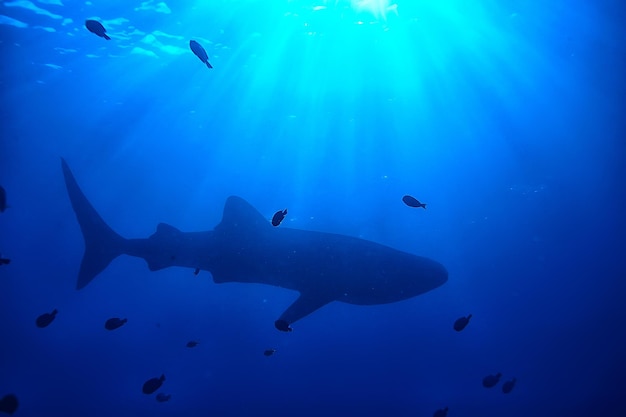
(460, 323)
(491, 381)
(153, 384)
(114, 323)
(278, 217)
(192, 343)
(442, 412)
(508, 385)
(9, 404)
(160, 397)
(3, 199)
(45, 319)
(96, 28)
(4, 261)
(412, 202)
(196, 271)
(269, 352)
(199, 51)
(244, 247)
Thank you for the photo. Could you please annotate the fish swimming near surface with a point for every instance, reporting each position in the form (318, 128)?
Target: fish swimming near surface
(199, 51)
(96, 28)
(245, 248)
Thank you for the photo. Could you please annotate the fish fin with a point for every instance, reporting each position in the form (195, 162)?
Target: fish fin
(105, 36)
(239, 215)
(102, 244)
(164, 234)
(302, 307)
(165, 231)
(209, 65)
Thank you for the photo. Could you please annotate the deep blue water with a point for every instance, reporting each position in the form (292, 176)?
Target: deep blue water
(506, 118)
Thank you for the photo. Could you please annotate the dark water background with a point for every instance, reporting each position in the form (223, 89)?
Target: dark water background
(506, 118)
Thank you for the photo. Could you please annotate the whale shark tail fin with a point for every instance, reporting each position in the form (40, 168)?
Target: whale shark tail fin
(102, 244)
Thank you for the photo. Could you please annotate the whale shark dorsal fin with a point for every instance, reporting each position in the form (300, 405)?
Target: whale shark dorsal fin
(239, 214)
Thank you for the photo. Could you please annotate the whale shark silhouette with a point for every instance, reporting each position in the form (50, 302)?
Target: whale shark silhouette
(244, 247)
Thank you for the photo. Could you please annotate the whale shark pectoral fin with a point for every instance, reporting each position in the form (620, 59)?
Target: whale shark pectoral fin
(302, 307)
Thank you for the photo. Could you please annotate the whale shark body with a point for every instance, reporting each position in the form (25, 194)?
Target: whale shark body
(244, 247)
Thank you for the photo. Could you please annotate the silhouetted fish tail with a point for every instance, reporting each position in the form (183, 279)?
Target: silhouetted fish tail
(102, 244)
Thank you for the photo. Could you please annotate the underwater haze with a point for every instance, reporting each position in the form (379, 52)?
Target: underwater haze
(506, 118)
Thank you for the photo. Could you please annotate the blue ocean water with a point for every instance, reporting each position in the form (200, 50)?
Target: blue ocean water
(506, 118)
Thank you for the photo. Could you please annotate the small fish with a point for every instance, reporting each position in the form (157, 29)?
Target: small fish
(491, 381)
(460, 323)
(442, 412)
(3, 199)
(192, 343)
(96, 28)
(196, 271)
(269, 352)
(45, 319)
(163, 397)
(199, 51)
(114, 323)
(412, 202)
(4, 261)
(8, 404)
(153, 384)
(508, 385)
(278, 217)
